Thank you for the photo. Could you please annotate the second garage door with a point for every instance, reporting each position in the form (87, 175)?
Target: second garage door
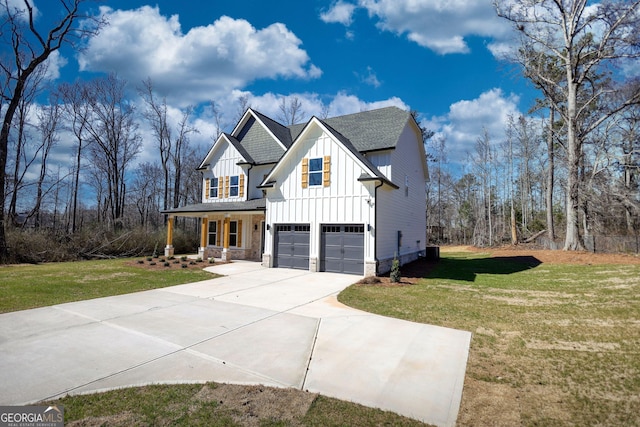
(342, 248)
(292, 246)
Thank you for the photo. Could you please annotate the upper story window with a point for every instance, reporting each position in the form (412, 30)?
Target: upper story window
(234, 186)
(213, 188)
(315, 171)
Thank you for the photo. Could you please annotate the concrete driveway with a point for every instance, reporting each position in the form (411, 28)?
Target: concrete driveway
(278, 327)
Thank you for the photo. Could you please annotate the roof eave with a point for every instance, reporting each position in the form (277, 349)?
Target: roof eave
(384, 181)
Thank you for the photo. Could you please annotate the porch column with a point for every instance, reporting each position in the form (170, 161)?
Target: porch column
(204, 232)
(168, 250)
(226, 227)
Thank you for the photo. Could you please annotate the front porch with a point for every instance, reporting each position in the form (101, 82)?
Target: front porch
(233, 230)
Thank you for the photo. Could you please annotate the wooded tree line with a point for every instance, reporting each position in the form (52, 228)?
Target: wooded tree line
(584, 59)
(570, 167)
(502, 194)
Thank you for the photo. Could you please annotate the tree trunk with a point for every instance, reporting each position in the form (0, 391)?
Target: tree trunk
(573, 241)
(551, 233)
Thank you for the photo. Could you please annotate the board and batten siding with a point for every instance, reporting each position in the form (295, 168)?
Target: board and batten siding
(257, 175)
(397, 211)
(345, 200)
(223, 164)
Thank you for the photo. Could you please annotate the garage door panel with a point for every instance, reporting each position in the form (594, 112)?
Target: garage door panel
(342, 248)
(292, 246)
(352, 253)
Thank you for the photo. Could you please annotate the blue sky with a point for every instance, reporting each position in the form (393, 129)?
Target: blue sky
(434, 56)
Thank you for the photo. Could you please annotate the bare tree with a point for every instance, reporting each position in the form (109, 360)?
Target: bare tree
(48, 124)
(31, 44)
(217, 120)
(76, 112)
(180, 147)
(243, 105)
(509, 133)
(147, 194)
(156, 115)
(587, 43)
(483, 165)
(291, 111)
(115, 141)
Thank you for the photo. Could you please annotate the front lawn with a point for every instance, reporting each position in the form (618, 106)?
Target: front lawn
(554, 343)
(31, 286)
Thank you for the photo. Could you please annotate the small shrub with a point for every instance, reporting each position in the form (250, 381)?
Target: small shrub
(183, 258)
(171, 257)
(152, 263)
(149, 259)
(140, 261)
(395, 271)
(175, 261)
(184, 266)
(167, 264)
(198, 259)
(212, 260)
(192, 263)
(161, 259)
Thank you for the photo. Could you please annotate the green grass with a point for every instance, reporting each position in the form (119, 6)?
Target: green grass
(201, 405)
(30, 286)
(552, 344)
(562, 342)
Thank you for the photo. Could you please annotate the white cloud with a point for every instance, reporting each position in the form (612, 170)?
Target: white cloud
(313, 104)
(17, 6)
(370, 78)
(464, 123)
(203, 63)
(339, 12)
(439, 25)
(53, 64)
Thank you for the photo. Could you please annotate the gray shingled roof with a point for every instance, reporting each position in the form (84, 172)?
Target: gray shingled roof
(368, 130)
(259, 145)
(238, 145)
(280, 131)
(359, 155)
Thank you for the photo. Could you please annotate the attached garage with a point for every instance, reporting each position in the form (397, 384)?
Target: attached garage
(291, 246)
(342, 248)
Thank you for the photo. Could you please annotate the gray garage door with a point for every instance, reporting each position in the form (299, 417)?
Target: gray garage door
(292, 246)
(342, 248)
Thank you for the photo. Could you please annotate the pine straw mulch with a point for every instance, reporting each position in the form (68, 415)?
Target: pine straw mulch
(158, 263)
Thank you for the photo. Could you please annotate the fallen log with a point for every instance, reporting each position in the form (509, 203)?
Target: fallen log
(535, 236)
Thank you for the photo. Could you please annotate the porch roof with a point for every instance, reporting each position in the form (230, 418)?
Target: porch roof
(197, 209)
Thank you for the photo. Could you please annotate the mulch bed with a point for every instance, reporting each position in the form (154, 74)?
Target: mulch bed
(176, 263)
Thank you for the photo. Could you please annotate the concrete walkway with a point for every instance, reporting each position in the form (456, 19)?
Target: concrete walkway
(278, 327)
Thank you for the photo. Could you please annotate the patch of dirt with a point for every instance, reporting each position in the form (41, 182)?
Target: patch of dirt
(259, 402)
(122, 419)
(588, 346)
(489, 404)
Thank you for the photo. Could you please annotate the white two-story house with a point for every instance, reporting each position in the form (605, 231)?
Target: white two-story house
(344, 194)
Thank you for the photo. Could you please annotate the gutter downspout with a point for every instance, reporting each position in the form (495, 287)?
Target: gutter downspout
(249, 179)
(375, 225)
